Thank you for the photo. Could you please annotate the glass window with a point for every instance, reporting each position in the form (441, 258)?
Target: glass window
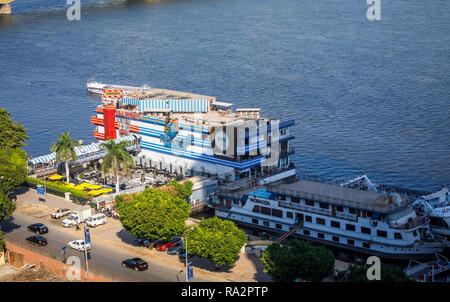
(351, 242)
(309, 203)
(398, 236)
(266, 223)
(381, 233)
(255, 221)
(278, 226)
(339, 208)
(336, 238)
(352, 211)
(306, 232)
(255, 209)
(320, 221)
(308, 218)
(335, 224)
(323, 205)
(365, 230)
(366, 245)
(277, 213)
(265, 211)
(289, 215)
(295, 199)
(350, 227)
(320, 235)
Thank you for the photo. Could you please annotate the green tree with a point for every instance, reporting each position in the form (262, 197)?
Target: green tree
(301, 260)
(12, 134)
(13, 169)
(153, 214)
(358, 273)
(117, 159)
(65, 151)
(217, 240)
(7, 207)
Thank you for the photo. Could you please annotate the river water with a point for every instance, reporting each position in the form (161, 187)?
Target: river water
(367, 96)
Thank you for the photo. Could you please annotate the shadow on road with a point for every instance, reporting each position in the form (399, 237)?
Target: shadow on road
(126, 237)
(9, 226)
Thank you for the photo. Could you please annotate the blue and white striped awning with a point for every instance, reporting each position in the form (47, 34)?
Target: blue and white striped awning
(176, 105)
(79, 151)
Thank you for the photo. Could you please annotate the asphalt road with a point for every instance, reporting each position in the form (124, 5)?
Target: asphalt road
(103, 257)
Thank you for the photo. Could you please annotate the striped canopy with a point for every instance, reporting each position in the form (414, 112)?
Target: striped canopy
(79, 151)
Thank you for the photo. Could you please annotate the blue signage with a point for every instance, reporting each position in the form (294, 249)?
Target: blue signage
(190, 270)
(40, 190)
(87, 236)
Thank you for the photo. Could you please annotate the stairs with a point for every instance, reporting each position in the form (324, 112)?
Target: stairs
(293, 229)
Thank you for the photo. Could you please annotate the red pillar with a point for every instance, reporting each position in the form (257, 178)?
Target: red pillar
(109, 117)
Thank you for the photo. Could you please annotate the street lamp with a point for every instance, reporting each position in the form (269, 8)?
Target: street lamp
(191, 229)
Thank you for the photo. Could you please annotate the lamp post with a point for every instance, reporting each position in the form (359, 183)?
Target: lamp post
(191, 229)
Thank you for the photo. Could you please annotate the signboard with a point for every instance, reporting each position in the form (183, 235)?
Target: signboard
(40, 190)
(87, 236)
(190, 271)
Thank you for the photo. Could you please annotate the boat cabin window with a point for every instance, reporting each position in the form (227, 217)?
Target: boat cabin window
(365, 230)
(320, 235)
(289, 215)
(439, 222)
(366, 245)
(351, 241)
(339, 208)
(308, 218)
(323, 205)
(335, 224)
(320, 221)
(306, 232)
(265, 211)
(295, 199)
(336, 238)
(281, 197)
(277, 213)
(352, 211)
(398, 236)
(266, 223)
(255, 209)
(369, 214)
(309, 203)
(350, 227)
(278, 226)
(255, 221)
(382, 233)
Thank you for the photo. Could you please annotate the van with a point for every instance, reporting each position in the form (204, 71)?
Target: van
(96, 220)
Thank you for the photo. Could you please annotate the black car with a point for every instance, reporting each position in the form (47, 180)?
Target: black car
(182, 254)
(143, 242)
(37, 239)
(136, 263)
(174, 249)
(38, 228)
(12, 196)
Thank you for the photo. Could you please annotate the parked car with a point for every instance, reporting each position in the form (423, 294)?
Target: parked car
(142, 241)
(12, 196)
(96, 220)
(58, 213)
(182, 254)
(37, 239)
(163, 245)
(37, 228)
(136, 263)
(79, 245)
(174, 249)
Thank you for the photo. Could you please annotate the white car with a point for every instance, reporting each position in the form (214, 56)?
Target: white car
(78, 245)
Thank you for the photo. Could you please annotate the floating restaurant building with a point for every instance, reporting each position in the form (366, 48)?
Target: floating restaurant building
(196, 135)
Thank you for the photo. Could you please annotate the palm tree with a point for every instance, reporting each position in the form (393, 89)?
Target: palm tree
(65, 150)
(117, 158)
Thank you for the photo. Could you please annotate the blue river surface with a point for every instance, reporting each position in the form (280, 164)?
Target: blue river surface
(367, 96)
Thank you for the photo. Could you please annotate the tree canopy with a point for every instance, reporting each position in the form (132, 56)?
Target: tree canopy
(358, 273)
(155, 213)
(217, 240)
(300, 260)
(12, 134)
(65, 150)
(13, 170)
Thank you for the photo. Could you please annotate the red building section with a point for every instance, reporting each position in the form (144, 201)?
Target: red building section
(109, 120)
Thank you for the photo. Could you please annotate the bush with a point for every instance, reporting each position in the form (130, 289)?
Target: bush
(59, 186)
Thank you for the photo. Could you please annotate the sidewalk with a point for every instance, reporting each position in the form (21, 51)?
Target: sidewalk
(248, 268)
